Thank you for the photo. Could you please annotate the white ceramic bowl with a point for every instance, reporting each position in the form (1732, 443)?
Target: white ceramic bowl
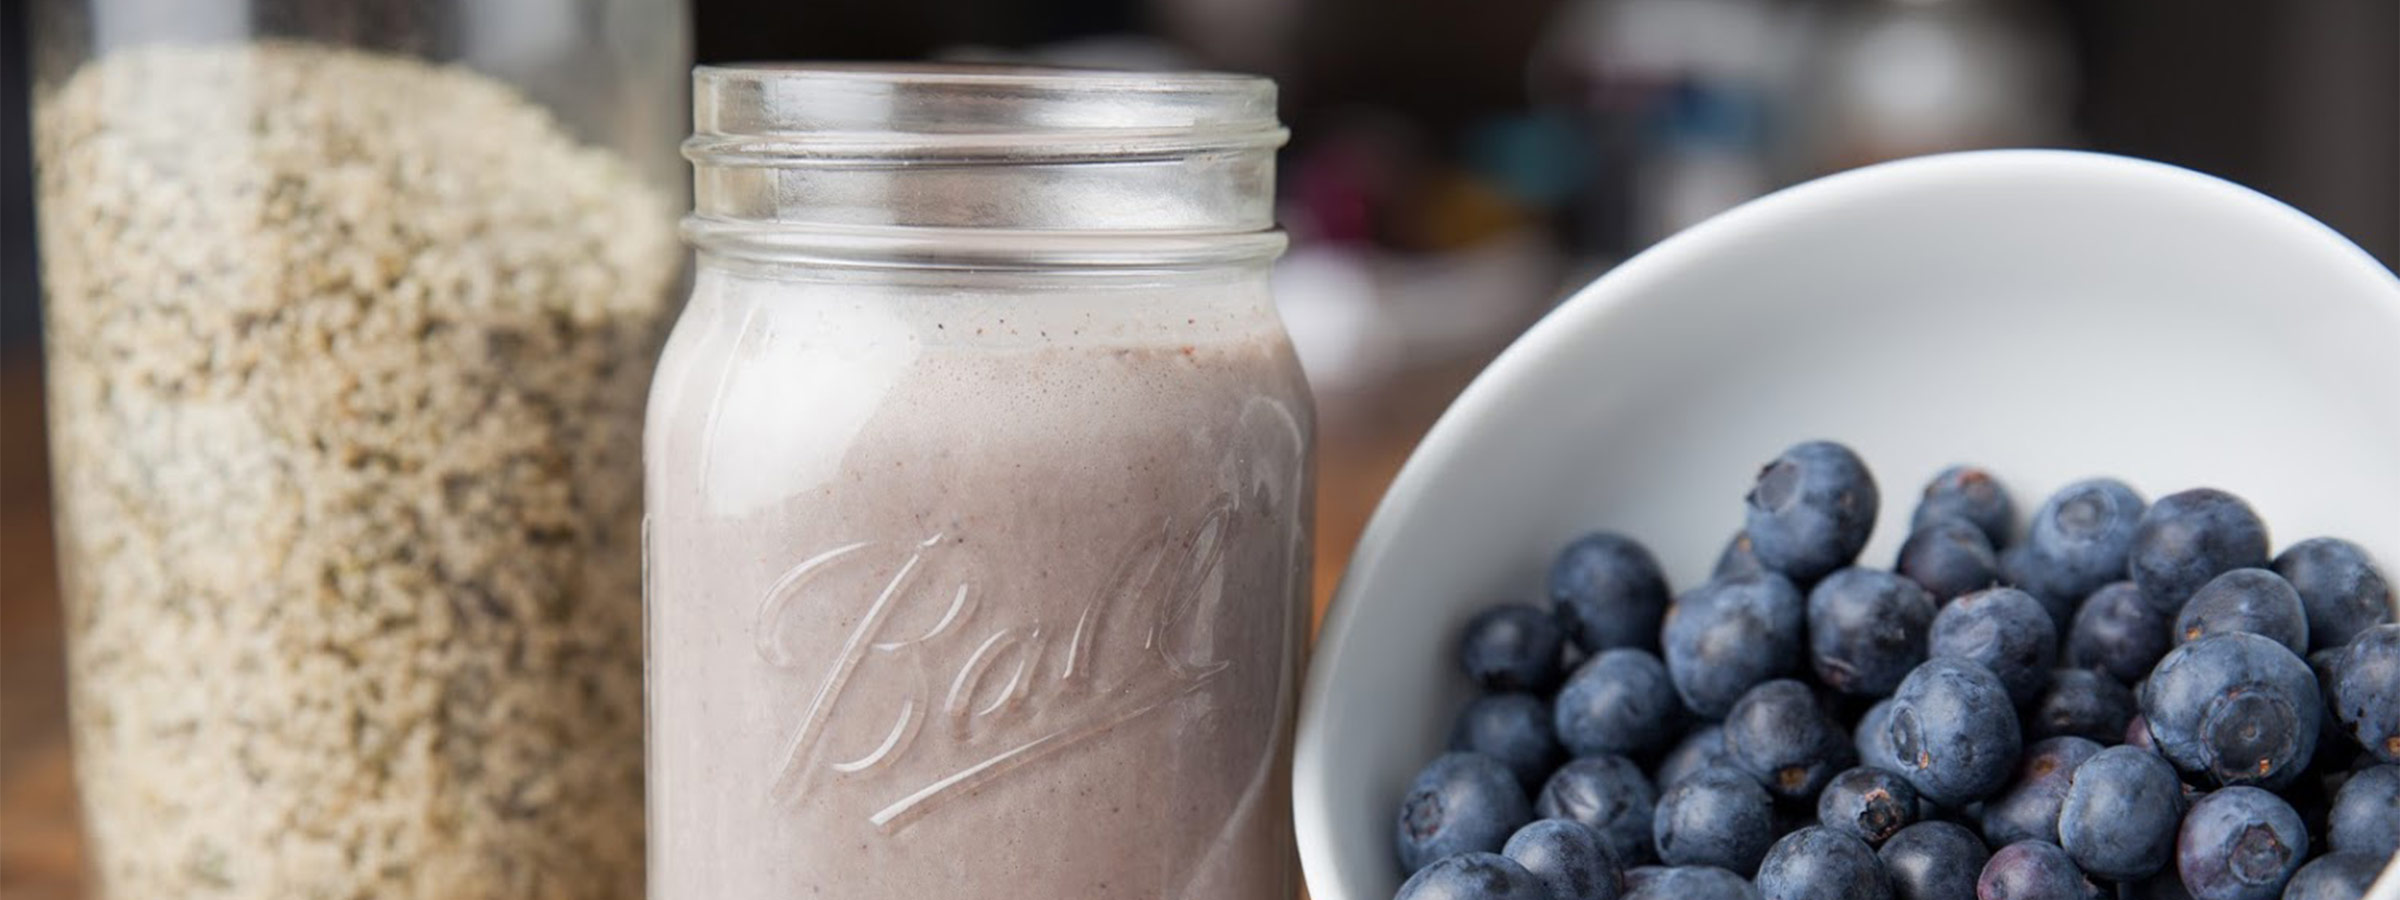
(2050, 315)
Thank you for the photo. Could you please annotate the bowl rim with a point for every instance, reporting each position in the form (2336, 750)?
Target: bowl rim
(1315, 826)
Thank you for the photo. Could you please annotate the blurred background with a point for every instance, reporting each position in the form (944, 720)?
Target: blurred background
(1457, 167)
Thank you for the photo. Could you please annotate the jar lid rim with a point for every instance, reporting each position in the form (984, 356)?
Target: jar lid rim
(976, 73)
(784, 113)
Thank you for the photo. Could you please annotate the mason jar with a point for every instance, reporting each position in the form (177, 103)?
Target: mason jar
(351, 308)
(979, 490)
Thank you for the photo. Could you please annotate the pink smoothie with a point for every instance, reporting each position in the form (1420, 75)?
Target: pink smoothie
(998, 596)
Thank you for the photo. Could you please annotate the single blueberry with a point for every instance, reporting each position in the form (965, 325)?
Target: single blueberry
(2118, 820)
(1511, 728)
(2253, 600)
(1473, 876)
(1949, 557)
(2078, 540)
(2083, 703)
(2339, 587)
(1933, 861)
(1811, 510)
(1700, 748)
(1608, 592)
(1459, 803)
(2006, 631)
(1737, 558)
(1952, 732)
(1867, 803)
(1731, 633)
(1867, 629)
(1969, 494)
(1817, 863)
(2028, 809)
(2033, 870)
(1691, 883)
(2335, 876)
(2236, 707)
(1608, 793)
(1714, 817)
(2118, 632)
(1779, 735)
(2366, 813)
(1620, 702)
(1569, 858)
(2189, 538)
(1511, 647)
(1872, 738)
(2366, 691)
(2239, 843)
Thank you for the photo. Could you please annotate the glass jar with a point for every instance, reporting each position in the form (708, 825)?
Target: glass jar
(979, 492)
(350, 314)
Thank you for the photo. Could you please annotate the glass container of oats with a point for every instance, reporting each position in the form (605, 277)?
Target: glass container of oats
(979, 490)
(350, 310)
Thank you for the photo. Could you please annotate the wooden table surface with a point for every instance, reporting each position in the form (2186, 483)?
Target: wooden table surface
(41, 850)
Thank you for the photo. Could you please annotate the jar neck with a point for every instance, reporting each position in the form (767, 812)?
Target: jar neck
(985, 168)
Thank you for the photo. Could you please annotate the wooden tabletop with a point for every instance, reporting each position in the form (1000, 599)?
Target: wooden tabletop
(41, 850)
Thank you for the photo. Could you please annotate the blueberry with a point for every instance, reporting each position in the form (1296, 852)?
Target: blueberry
(2339, 587)
(2237, 707)
(1640, 877)
(1460, 803)
(1968, 494)
(2120, 812)
(1608, 592)
(2006, 631)
(1691, 883)
(1473, 876)
(1511, 728)
(1737, 558)
(1699, 749)
(1811, 510)
(1866, 629)
(1952, 732)
(2118, 632)
(1568, 858)
(1949, 557)
(1779, 735)
(2334, 876)
(2366, 813)
(2078, 540)
(1621, 702)
(2083, 703)
(1714, 817)
(1867, 803)
(2253, 600)
(2366, 691)
(2240, 843)
(1511, 647)
(1731, 633)
(1873, 736)
(1816, 863)
(1933, 861)
(2189, 538)
(1608, 793)
(2028, 809)
(2033, 870)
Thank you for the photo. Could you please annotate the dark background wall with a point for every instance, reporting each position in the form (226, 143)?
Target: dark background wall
(2299, 99)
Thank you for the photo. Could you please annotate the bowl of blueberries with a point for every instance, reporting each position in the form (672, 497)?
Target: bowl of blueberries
(2016, 524)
